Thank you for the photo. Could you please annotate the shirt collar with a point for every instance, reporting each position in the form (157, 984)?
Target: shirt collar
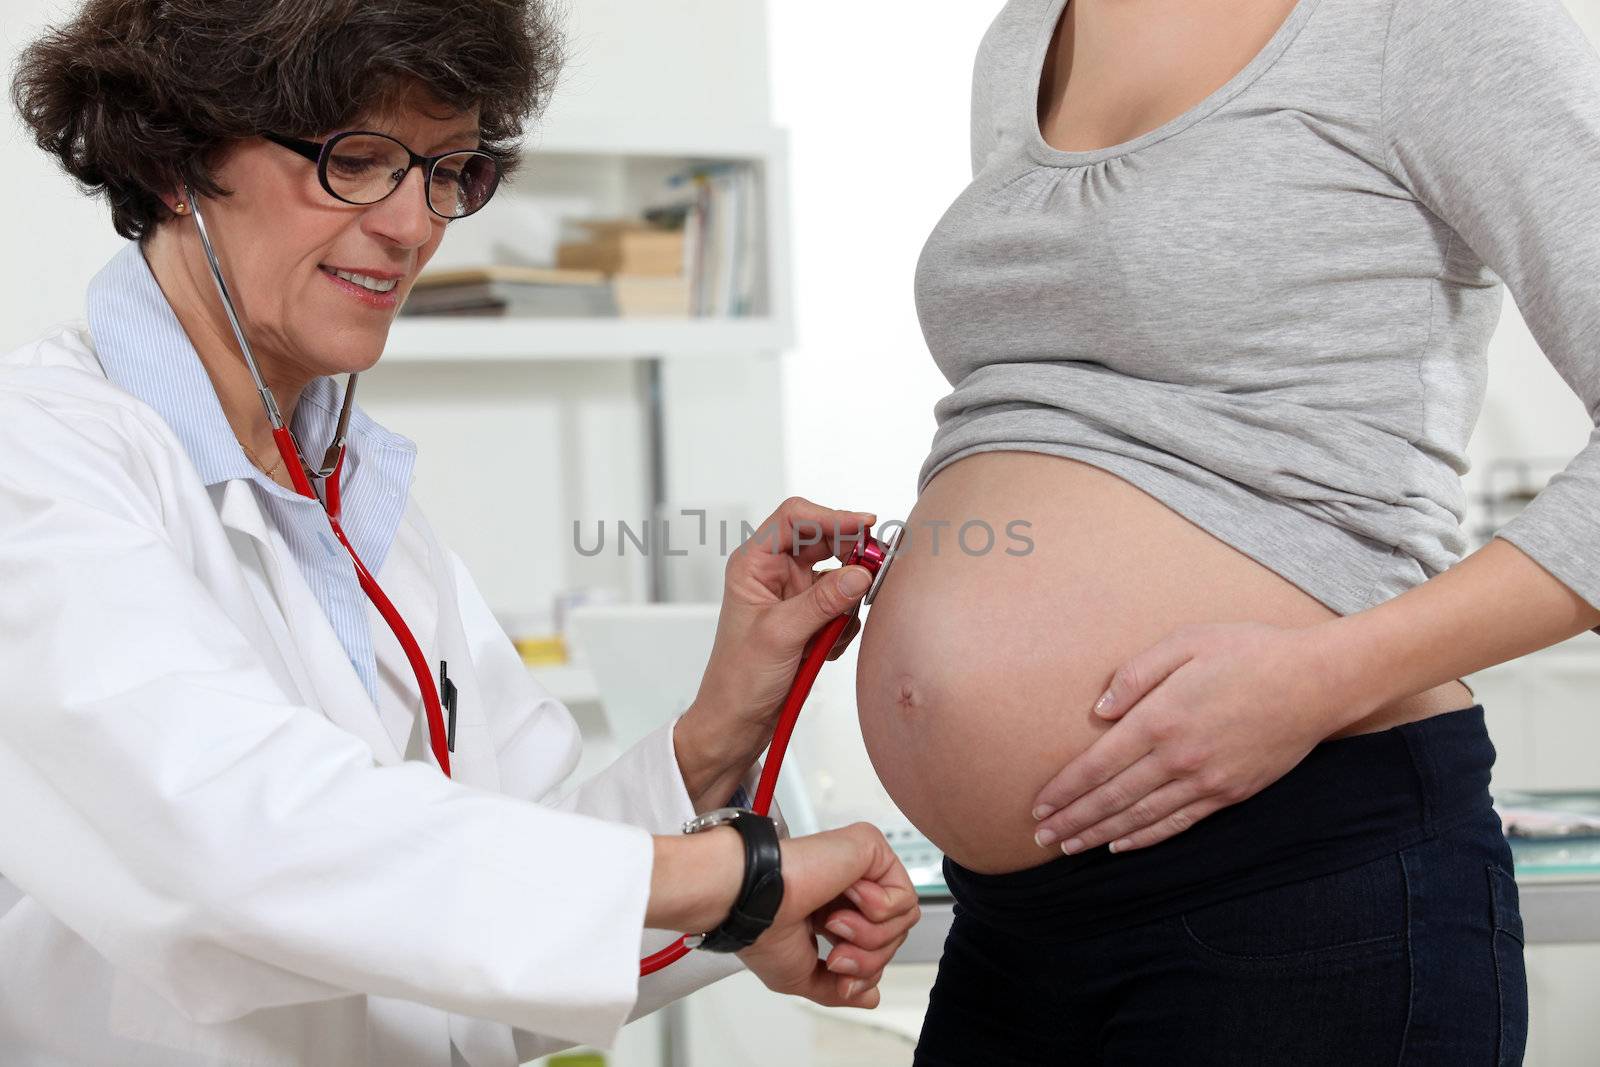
(145, 352)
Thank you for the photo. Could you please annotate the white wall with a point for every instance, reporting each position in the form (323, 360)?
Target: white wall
(57, 238)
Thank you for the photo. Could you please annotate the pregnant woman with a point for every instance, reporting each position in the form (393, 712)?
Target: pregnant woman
(1215, 310)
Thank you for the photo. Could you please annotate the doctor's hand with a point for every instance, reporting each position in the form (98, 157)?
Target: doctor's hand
(848, 886)
(773, 601)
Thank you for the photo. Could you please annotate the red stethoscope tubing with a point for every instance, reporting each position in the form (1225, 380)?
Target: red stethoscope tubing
(300, 477)
(816, 652)
(437, 735)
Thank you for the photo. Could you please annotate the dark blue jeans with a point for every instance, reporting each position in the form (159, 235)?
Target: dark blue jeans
(1408, 954)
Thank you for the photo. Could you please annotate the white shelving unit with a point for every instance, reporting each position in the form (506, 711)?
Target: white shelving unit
(424, 339)
(667, 392)
(616, 167)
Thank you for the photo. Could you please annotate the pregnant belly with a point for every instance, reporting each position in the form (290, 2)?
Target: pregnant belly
(977, 668)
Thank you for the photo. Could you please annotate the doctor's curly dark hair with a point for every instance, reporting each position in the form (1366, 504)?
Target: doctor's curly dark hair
(135, 97)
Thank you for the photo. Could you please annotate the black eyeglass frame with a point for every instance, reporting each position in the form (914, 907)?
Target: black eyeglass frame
(319, 151)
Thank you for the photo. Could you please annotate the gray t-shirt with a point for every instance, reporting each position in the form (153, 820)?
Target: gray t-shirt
(1272, 312)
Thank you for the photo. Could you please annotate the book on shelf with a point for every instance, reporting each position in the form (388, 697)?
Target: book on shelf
(644, 296)
(625, 246)
(535, 292)
(722, 239)
(542, 292)
(701, 254)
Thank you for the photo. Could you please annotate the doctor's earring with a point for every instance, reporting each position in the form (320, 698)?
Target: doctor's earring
(180, 208)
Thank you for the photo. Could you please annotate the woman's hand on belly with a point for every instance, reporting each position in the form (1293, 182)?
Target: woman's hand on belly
(1207, 717)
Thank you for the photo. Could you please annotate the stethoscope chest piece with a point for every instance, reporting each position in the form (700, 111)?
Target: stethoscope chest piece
(888, 549)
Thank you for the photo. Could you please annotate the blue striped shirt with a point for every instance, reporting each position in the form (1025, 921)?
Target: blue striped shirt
(145, 352)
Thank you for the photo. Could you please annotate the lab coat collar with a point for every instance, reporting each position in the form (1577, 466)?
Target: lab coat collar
(309, 654)
(309, 651)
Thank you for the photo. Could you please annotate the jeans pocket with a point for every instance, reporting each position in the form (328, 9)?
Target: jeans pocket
(1351, 912)
(1510, 968)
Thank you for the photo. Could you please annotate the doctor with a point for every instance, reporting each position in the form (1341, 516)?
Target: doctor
(227, 837)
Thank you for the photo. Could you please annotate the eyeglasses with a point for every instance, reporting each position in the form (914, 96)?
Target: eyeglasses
(362, 167)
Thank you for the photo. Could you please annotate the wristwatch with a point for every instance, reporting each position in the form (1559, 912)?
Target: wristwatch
(762, 891)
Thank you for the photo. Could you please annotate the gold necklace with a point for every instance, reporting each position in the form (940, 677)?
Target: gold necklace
(265, 470)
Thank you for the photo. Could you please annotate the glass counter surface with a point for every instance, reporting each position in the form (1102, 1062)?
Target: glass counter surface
(1574, 856)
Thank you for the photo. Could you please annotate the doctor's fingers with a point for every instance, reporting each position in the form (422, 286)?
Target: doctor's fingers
(808, 530)
(845, 925)
(886, 896)
(852, 992)
(865, 967)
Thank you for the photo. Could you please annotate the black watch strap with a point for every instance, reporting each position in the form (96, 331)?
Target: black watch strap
(761, 892)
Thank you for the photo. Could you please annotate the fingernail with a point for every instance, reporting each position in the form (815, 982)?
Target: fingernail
(839, 927)
(1041, 811)
(855, 897)
(1045, 836)
(1073, 847)
(1116, 846)
(854, 581)
(844, 965)
(1102, 705)
(850, 989)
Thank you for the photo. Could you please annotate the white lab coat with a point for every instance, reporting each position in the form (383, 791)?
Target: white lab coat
(212, 848)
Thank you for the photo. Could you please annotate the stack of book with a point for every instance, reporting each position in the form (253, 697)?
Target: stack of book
(698, 255)
(646, 265)
(539, 292)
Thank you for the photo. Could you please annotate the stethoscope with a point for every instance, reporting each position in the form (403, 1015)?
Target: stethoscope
(867, 552)
(872, 554)
(442, 737)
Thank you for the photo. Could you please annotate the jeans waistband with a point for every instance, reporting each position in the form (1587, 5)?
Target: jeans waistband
(1348, 801)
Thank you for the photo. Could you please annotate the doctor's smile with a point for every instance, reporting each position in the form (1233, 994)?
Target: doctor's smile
(1148, 714)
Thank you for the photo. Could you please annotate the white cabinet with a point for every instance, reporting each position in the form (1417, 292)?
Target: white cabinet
(1543, 711)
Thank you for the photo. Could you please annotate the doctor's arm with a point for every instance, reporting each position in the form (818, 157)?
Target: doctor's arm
(538, 747)
(695, 762)
(774, 601)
